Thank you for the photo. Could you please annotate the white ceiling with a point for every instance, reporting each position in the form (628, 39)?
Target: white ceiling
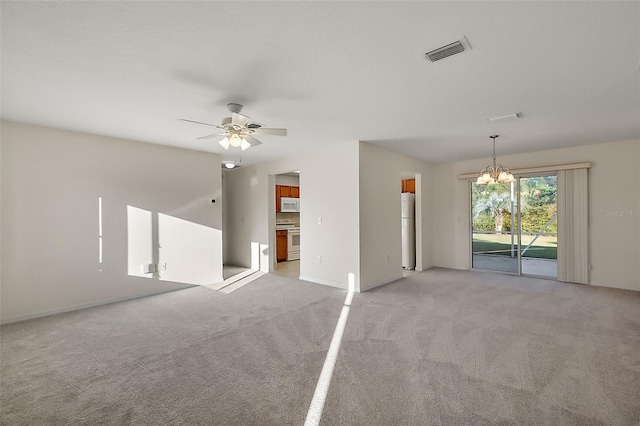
(330, 72)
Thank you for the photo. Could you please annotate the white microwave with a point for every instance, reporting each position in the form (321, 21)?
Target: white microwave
(289, 205)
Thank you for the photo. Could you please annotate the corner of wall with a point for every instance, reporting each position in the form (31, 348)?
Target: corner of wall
(67, 211)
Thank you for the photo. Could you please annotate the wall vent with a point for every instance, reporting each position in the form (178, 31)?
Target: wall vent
(445, 51)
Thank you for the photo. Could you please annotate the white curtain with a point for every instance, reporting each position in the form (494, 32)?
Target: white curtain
(573, 226)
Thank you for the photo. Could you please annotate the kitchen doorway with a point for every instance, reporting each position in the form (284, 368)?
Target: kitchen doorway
(287, 192)
(410, 219)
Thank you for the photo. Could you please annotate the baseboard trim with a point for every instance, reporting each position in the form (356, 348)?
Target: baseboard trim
(383, 283)
(323, 282)
(86, 306)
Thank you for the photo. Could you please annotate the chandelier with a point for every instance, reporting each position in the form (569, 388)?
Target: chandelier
(493, 174)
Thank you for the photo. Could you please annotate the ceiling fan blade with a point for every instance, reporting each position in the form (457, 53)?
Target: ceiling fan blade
(252, 141)
(212, 136)
(266, 131)
(200, 122)
(239, 119)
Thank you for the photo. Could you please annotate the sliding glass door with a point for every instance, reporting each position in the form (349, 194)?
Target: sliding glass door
(539, 225)
(494, 236)
(514, 226)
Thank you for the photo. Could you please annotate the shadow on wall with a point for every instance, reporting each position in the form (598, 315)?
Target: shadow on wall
(185, 252)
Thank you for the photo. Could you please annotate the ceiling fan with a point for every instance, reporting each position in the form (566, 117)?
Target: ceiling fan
(237, 131)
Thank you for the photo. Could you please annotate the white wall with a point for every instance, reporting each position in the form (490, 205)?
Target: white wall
(51, 181)
(329, 182)
(329, 190)
(381, 172)
(347, 186)
(223, 206)
(287, 180)
(614, 186)
(243, 225)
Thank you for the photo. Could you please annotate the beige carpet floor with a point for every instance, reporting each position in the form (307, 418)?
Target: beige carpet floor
(440, 347)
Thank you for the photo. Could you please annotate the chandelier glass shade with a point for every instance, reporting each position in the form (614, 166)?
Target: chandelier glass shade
(493, 174)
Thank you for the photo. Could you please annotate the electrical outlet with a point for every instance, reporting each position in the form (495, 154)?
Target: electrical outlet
(319, 221)
(163, 267)
(149, 268)
(319, 259)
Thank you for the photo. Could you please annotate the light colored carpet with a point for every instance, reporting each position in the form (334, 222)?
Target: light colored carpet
(436, 348)
(466, 348)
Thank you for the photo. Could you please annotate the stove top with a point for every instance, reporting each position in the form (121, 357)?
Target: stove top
(282, 224)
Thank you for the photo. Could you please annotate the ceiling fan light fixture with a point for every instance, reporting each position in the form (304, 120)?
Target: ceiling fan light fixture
(233, 107)
(235, 140)
(225, 143)
(238, 131)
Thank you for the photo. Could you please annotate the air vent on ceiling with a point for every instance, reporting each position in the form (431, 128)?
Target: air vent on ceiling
(448, 50)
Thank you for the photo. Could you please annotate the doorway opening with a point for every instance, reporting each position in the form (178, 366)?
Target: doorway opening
(235, 269)
(410, 214)
(514, 226)
(287, 224)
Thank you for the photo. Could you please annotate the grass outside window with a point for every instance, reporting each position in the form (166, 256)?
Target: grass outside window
(545, 247)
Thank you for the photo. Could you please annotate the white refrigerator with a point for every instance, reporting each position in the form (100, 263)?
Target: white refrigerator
(408, 210)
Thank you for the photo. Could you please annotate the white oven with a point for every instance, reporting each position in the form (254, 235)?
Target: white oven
(293, 244)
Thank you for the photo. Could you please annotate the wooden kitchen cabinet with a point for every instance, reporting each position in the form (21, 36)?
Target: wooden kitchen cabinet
(286, 191)
(409, 185)
(289, 191)
(281, 245)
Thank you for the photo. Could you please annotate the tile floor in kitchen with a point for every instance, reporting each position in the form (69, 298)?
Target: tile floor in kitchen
(289, 268)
